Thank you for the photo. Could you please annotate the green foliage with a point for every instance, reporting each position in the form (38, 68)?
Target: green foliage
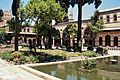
(42, 12)
(71, 30)
(55, 33)
(96, 23)
(88, 64)
(11, 24)
(28, 59)
(2, 35)
(66, 55)
(89, 53)
(2, 30)
(7, 56)
(97, 26)
(66, 3)
(53, 55)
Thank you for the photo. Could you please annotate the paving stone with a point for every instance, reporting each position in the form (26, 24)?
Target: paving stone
(12, 72)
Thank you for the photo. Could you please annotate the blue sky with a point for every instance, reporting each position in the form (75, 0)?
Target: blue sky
(88, 10)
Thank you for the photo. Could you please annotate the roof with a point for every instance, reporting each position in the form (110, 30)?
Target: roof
(29, 33)
(115, 28)
(111, 9)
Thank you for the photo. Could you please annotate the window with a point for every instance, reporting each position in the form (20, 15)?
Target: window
(115, 17)
(115, 41)
(101, 17)
(108, 18)
(28, 30)
(100, 41)
(24, 30)
(107, 40)
(60, 29)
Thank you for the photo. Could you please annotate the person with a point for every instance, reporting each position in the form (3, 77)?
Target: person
(34, 45)
(30, 44)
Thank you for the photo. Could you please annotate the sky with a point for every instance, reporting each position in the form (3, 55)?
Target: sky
(88, 10)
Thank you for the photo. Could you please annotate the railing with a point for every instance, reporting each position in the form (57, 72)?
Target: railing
(113, 48)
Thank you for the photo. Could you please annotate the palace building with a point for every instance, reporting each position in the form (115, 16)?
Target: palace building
(25, 34)
(108, 37)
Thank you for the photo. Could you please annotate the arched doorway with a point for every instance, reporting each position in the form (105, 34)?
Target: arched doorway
(107, 40)
(115, 41)
(100, 41)
(90, 42)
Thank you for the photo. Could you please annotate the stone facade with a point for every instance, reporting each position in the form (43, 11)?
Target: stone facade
(6, 17)
(111, 18)
(110, 36)
(111, 33)
(25, 34)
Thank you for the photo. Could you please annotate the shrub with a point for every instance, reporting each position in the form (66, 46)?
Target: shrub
(90, 48)
(7, 55)
(22, 60)
(89, 53)
(16, 54)
(105, 50)
(27, 58)
(40, 58)
(88, 64)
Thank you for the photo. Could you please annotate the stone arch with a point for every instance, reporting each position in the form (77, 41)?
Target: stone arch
(115, 41)
(107, 40)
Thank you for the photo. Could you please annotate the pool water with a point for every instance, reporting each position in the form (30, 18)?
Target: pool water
(72, 71)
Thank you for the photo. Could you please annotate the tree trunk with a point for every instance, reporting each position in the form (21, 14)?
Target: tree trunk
(79, 41)
(38, 41)
(16, 28)
(50, 39)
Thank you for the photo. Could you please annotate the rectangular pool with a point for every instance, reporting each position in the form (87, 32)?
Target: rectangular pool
(104, 69)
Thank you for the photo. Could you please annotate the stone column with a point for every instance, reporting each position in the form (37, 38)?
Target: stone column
(71, 41)
(53, 42)
(112, 41)
(61, 40)
(42, 43)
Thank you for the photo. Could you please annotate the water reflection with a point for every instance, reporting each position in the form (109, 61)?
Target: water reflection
(70, 71)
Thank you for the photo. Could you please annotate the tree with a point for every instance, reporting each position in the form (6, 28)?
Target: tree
(2, 33)
(1, 14)
(96, 25)
(71, 32)
(15, 6)
(11, 24)
(42, 12)
(18, 19)
(80, 4)
(93, 28)
(23, 22)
